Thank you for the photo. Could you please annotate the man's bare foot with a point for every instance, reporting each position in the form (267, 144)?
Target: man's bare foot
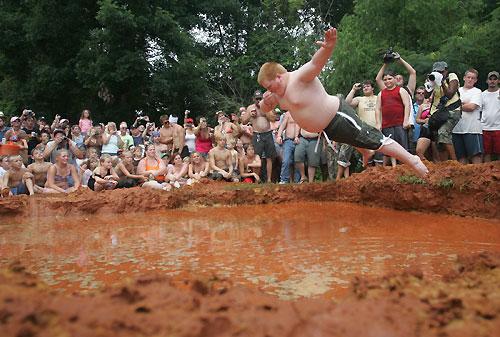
(419, 166)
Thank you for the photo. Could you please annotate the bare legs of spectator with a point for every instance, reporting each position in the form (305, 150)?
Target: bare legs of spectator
(269, 169)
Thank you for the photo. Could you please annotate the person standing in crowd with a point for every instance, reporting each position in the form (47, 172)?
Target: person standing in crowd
(32, 135)
(94, 140)
(413, 136)
(111, 140)
(288, 136)
(17, 136)
(85, 122)
(3, 127)
(468, 133)
(263, 140)
(61, 142)
(77, 137)
(444, 91)
(189, 135)
(392, 112)
(490, 118)
(127, 139)
(203, 141)
(179, 138)
(167, 132)
(307, 151)
(136, 135)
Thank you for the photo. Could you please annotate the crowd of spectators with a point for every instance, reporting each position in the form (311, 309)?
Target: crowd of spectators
(250, 146)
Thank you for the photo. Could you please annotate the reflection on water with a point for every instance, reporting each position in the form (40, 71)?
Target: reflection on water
(290, 250)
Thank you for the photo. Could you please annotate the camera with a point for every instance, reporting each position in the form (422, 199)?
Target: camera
(139, 113)
(431, 77)
(390, 55)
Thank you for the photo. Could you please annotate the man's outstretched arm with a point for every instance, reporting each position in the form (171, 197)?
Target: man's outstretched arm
(313, 68)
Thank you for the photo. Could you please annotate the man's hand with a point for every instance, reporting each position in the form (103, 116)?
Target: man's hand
(279, 140)
(356, 86)
(270, 99)
(330, 39)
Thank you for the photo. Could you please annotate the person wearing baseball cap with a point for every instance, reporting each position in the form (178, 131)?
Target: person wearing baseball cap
(445, 91)
(490, 117)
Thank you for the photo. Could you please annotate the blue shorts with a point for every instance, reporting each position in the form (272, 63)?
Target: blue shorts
(19, 189)
(467, 145)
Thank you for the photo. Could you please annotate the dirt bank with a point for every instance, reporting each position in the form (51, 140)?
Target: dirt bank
(452, 188)
(464, 303)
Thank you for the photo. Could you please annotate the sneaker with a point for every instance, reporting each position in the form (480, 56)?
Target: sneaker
(282, 182)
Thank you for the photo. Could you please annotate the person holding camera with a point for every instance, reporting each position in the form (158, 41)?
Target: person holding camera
(392, 112)
(61, 142)
(111, 141)
(391, 56)
(445, 106)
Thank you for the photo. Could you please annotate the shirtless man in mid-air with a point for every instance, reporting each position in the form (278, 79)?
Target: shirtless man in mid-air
(302, 94)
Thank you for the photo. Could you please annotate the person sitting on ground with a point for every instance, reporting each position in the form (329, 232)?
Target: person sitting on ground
(62, 177)
(198, 167)
(104, 176)
(39, 168)
(137, 153)
(234, 159)
(154, 169)
(17, 180)
(178, 172)
(219, 158)
(250, 166)
(4, 167)
(87, 169)
(126, 172)
(301, 93)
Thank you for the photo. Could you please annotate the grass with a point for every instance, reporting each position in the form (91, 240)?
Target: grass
(446, 183)
(411, 179)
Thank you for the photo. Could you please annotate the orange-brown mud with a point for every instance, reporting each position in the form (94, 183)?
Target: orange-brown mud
(452, 188)
(466, 302)
(437, 295)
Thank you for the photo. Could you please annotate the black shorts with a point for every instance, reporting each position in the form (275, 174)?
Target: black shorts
(398, 133)
(347, 128)
(263, 142)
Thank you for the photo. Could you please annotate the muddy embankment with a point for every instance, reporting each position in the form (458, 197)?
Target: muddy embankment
(466, 302)
(451, 188)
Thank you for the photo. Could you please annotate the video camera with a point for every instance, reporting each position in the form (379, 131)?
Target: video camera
(390, 56)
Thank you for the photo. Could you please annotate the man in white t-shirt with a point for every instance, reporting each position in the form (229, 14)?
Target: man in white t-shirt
(467, 134)
(490, 118)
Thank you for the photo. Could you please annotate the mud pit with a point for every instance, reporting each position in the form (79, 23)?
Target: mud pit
(277, 261)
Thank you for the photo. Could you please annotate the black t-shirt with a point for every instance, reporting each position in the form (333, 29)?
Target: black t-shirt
(32, 137)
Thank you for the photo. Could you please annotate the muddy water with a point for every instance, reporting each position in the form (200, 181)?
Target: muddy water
(290, 250)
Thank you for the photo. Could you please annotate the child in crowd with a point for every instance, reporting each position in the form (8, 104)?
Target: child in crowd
(234, 159)
(198, 167)
(39, 168)
(17, 180)
(126, 172)
(250, 166)
(87, 168)
(104, 176)
(137, 155)
(85, 122)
